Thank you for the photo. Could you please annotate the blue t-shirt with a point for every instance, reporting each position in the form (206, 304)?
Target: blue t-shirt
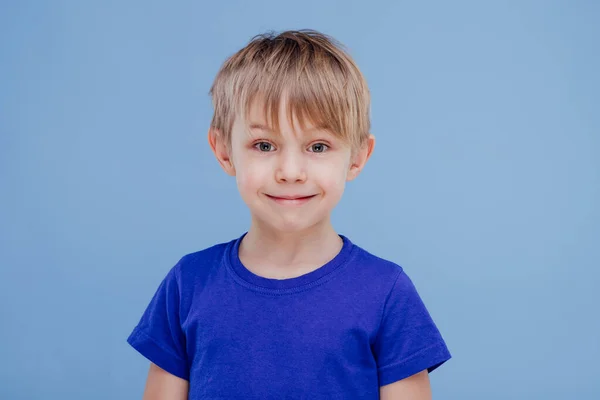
(338, 332)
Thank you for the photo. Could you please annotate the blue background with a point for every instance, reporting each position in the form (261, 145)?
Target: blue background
(484, 185)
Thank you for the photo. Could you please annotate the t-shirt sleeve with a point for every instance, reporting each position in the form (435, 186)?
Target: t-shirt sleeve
(408, 340)
(158, 336)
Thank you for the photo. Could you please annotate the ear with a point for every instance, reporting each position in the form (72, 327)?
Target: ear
(221, 150)
(360, 158)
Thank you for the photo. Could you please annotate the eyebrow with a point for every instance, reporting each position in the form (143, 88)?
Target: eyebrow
(262, 127)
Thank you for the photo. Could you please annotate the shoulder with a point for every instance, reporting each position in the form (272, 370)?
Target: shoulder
(377, 267)
(195, 265)
(375, 277)
(194, 271)
(204, 258)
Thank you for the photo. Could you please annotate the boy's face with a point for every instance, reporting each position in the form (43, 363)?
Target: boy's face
(290, 180)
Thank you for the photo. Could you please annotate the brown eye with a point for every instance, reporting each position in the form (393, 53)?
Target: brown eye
(318, 148)
(264, 146)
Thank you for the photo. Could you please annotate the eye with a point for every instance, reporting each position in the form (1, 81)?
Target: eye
(318, 148)
(264, 146)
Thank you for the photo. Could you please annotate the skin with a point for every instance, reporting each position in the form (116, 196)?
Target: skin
(162, 385)
(269, 166)
(290, 180)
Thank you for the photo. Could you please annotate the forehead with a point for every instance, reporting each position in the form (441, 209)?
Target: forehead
(279, 120)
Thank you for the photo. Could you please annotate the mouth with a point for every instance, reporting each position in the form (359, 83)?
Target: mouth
(291, 200)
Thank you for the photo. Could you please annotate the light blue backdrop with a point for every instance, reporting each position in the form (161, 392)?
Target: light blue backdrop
(485, 184)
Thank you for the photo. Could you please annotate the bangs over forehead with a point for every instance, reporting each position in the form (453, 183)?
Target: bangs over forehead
(318, 82)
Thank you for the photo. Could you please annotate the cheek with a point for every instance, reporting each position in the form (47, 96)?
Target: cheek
(250, 175)
(332, 178)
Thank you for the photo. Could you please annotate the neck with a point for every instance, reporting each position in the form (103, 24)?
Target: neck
(299, 250)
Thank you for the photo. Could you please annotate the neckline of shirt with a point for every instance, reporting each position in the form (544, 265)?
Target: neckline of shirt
(250, 280)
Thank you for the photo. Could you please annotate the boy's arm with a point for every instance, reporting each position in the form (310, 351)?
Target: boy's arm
(162, 385)
(415, 387)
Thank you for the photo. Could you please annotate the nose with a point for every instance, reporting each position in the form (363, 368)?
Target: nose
(290, 168)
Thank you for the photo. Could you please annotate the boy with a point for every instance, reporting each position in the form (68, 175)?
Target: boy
(291, 309)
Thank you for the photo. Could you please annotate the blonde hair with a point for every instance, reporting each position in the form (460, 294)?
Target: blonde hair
(310, 70)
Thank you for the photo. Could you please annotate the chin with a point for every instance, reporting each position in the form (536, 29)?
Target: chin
(285, 226)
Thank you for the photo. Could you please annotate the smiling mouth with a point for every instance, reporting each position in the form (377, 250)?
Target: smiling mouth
(290, 200)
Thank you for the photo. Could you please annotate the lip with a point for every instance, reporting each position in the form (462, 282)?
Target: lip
(290, 199)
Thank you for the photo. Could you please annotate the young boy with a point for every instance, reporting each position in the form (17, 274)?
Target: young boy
(291, 309)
